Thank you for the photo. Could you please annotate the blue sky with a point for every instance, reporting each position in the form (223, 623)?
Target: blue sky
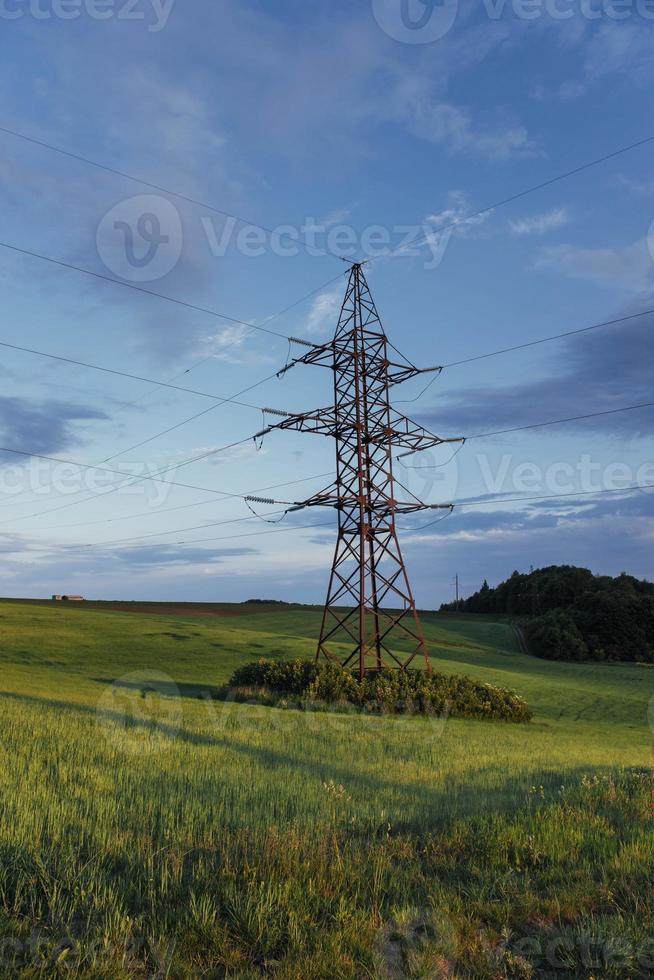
(337, 116)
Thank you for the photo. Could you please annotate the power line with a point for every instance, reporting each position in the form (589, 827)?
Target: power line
(124, 374)
(407, 401)
(422, 527)
(233, 399)
(498, 499)
(100, 464)
(524, 428)
(230, 537)
(311, 250)
(544, 340)
(433, 466)
(574, 418)
(222, 400)
(139, 289)
(133, 480)
(556, 496)
(530, 343)
(223, 494)
(520, 194)
(153, 476)
(169, 510)
(180, 530)
(191, 418)
(268, 319)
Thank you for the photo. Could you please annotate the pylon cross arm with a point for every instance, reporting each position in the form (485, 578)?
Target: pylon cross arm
(339, 350)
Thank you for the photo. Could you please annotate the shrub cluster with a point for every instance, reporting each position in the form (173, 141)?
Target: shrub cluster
(324, 684)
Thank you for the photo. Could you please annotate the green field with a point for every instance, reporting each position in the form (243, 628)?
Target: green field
(148, 830)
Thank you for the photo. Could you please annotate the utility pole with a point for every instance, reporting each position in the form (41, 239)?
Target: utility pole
(456, 586)
(369, 603)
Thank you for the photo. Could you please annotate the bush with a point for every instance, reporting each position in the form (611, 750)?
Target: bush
(313, 685)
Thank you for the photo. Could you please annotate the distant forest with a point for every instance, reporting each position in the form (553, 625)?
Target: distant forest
(567, 613)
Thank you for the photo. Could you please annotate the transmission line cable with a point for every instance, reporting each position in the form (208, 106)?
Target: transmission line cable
(515, 197)
(530, 343)
(140, 289)
(155, 477)
(169, 510)
(574, 418)
(304, 527)
(224, 495)
(221, 400)
(544, 340)
(311, 250)
(249, 534)
(555, 496)
(524, 428)
(499, 499)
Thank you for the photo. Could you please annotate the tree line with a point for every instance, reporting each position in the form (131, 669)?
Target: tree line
(570, 614)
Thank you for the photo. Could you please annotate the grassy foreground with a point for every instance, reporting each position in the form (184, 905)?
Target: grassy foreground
(147, 830)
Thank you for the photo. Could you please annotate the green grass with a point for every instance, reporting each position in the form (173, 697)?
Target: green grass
(149, 830)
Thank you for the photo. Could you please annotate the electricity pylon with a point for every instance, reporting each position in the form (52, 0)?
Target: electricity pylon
(369, 601)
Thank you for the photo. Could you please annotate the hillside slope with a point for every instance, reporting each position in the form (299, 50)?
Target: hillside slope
(148, 821)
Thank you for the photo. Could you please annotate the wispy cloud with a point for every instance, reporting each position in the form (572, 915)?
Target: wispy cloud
(454, 213)
(640, 187)
(540, 224)
(324, 312)
(453, 127)
(227, 343)
(613, 48)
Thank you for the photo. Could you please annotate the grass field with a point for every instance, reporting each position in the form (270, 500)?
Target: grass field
(148, 830)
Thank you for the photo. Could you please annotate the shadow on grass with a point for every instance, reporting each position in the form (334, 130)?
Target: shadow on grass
(415, 806)
(171, 689)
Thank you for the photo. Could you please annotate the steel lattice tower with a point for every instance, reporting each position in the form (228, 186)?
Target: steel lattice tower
(369, 600)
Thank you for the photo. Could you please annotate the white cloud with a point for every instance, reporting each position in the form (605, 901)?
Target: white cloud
(540, 224)
(336, 217)
(640, 187)
(224, 343)
(441, 122)
(613, 48)
(324, 312)
(457, 207)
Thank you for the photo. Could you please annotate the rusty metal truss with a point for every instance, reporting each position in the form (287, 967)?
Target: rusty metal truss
(370, 619)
